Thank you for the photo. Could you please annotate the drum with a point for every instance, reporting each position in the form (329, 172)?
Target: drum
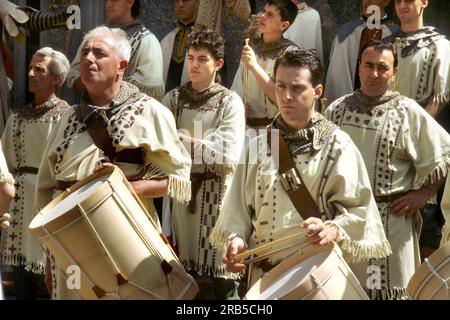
(101, 231)
(431, 280)
(314, 273)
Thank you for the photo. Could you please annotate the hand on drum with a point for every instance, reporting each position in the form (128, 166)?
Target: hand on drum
(318, 233)
(235, 247)
(102, 165)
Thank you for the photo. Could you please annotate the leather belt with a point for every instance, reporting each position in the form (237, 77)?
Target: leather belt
(258, 122)
(22, 170)
(389, 198)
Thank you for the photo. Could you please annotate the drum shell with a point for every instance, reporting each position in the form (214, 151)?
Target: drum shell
(424, 285)
(126, 234)
(332, 280)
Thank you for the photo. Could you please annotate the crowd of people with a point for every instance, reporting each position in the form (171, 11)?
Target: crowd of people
(201, 156)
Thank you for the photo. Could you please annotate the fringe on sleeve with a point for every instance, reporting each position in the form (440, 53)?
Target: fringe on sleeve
(179, 189)
(6, 178)
(439, 172)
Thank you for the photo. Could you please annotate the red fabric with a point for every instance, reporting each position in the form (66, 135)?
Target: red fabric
(8, 61)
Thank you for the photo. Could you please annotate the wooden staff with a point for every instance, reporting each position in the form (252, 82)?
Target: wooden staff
(246, 78)
(397, 51)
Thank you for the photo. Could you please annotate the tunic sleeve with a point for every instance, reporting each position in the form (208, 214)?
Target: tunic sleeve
(221, 147)
(147, 74)
(349, 202)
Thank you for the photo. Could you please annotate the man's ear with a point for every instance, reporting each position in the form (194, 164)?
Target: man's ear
(123, 65)
(319, 90)
(285, 25)
(219, 64)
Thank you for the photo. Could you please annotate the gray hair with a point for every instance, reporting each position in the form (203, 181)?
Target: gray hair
(58, 65)
(122, 45)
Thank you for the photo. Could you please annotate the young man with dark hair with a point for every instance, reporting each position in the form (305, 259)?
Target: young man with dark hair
(220, 113)
(258, 59)
(262, 204)
(407, 155)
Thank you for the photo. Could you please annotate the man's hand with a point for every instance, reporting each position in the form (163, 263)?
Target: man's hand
(410, 203)
(235, 247)
(248, 57)
(318, 233)
(436, 105)
(102, 166)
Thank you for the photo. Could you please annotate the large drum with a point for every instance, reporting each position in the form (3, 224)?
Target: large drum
(431, 280)
(101, 230)
(314, 273)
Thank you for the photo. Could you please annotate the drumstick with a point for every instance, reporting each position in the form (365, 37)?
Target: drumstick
(246, 78)
(268, 254)
(4, 220)
(264, 247)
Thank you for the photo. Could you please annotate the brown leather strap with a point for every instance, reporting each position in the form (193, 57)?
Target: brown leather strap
(22, 170)
(63, 185)
(292, 181)
(258, 122)
(389, 198)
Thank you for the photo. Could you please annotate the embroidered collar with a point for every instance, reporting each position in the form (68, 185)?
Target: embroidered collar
(307, 140)
(41, 111)
(208, 99)
(128, 93)
(371, 105)
(269, 50)
(416, 40)
(180, 25)
(130, 28)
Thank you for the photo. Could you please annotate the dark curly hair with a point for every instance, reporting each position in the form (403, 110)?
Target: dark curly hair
(288, 10)
(379, 47)
(209, 40)
(297, 57)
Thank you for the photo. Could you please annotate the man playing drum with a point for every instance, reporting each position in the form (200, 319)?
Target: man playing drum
(258, 208)
(114, 122)
(407, 155)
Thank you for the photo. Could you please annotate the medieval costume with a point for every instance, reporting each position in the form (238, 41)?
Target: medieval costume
(259, 210)
(219, 113)
(404, 149)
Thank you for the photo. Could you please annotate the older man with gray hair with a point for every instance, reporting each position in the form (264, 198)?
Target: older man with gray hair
(137, 134)
(47, 72)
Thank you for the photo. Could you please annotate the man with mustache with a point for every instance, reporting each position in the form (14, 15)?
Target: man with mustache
(145, 69)
(23, 147)
(407, 155)
(424, 75)
(342, 74)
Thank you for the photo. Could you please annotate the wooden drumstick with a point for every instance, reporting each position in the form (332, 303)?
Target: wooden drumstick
(267, 246)
(246, 79)
(4, 220)
(268, 254)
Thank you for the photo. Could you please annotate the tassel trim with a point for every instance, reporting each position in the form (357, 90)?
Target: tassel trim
(211, 271)
(179, 189)
(445, 233)
(439, 172)
(6, 178)
(156, 91)
(387, 294)
(219, 238)
(18, 260)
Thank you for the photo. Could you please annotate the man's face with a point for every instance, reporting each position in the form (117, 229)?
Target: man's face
(186, 10)
(376, 71)
(202, 66)
(270, 20)
(410, 10)
(99, 63)
(40, 80)
(116, 10)
(295, 94)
